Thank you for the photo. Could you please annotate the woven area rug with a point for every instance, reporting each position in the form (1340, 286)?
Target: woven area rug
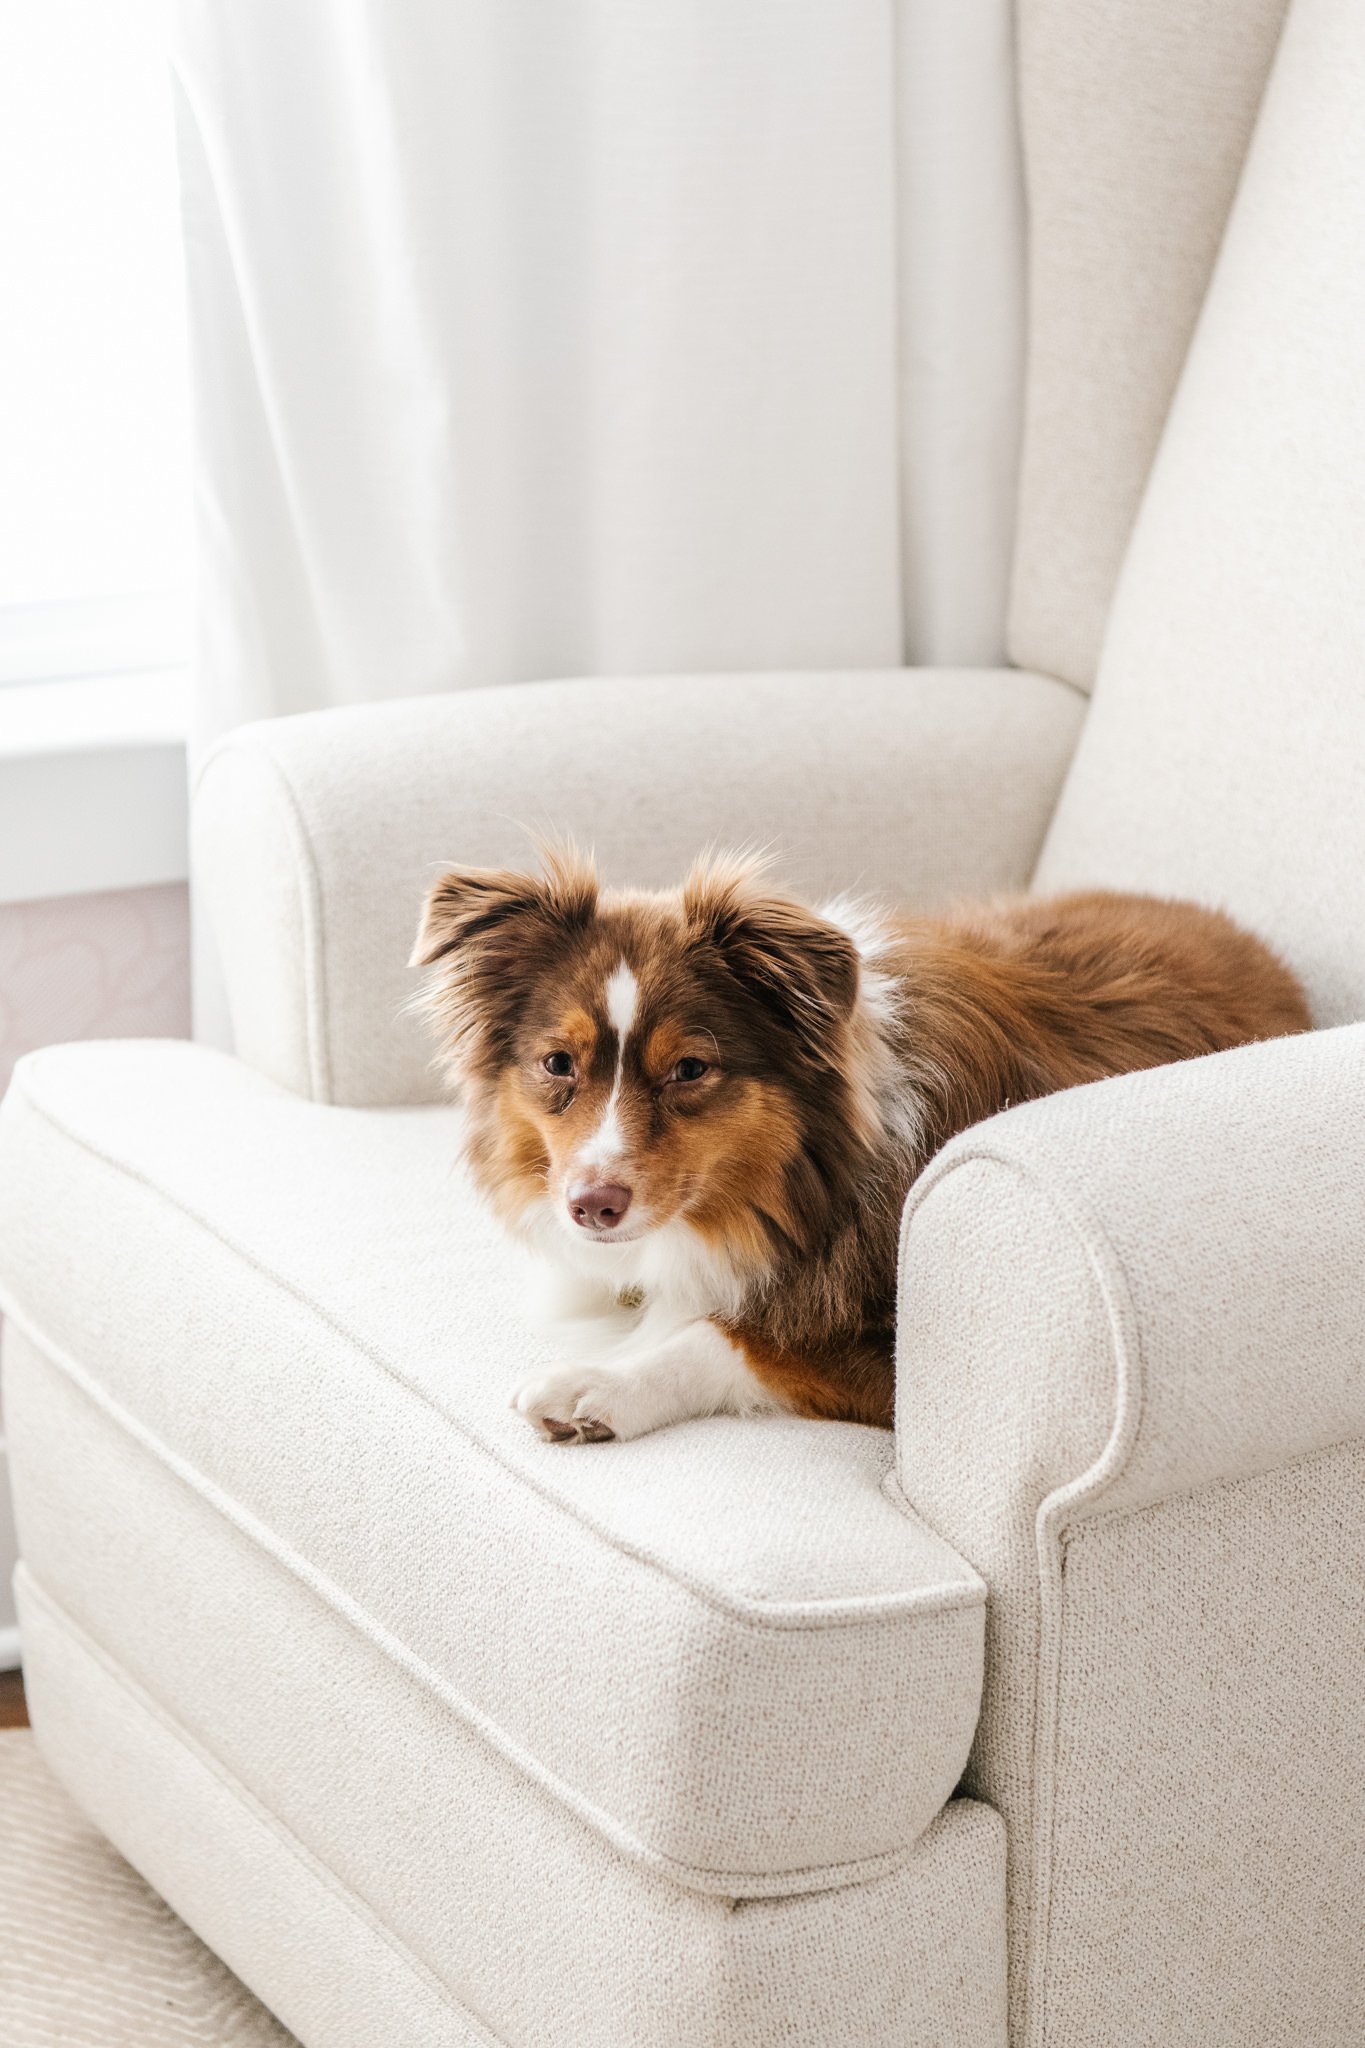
(90, 1957)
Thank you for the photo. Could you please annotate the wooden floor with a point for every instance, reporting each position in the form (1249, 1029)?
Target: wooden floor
(13, 1712)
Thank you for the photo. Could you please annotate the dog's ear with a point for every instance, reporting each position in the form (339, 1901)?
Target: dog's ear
(472, 903)
(486, 933)
(802, 968)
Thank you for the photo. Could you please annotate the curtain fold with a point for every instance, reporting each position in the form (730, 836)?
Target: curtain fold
(961, 282)
(536, 340)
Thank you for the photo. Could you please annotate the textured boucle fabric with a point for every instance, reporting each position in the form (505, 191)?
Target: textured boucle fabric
(1208, 1836)
(721, 1645)
(1135, 125)
(378, 1874)
(1120, 1299)
(1224, 755)
(316, 837)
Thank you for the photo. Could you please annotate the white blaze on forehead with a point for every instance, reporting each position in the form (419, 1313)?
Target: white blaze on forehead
(607, 1142)
(623, 995)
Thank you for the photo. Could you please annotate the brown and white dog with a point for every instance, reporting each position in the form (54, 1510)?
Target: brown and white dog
(705, 1108)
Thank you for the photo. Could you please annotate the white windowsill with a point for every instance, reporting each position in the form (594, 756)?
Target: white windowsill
(92, 785)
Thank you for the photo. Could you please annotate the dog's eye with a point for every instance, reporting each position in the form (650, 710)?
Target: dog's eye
(560, 1064)
(688, 1070)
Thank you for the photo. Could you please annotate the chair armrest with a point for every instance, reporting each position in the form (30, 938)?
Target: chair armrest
(316, 836)
(1130, 1389)
(1153, 1283)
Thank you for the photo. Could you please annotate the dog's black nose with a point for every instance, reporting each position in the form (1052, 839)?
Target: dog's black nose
(599, 1207)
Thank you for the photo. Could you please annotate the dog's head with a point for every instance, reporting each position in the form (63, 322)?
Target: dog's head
(641, 1066)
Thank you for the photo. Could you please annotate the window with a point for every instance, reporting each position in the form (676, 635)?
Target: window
(94, 467)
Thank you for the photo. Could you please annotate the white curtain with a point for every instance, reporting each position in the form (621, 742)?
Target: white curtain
(542, 337)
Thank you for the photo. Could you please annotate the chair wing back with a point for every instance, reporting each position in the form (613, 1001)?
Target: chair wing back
(1135, 123)
(1224, 754)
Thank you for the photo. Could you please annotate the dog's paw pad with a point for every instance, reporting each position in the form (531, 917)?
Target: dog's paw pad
(590, 1429)
(564, 1410)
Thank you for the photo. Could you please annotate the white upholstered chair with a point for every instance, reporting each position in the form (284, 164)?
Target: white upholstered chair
(1045, 1721)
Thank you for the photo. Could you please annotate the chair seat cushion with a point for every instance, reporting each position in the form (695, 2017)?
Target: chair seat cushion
(726, 1647)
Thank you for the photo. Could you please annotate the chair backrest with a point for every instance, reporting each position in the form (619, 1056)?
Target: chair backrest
(1224, 756)
(1135, 122)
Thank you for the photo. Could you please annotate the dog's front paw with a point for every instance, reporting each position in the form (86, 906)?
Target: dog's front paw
(569, 1406)
(697, 1371)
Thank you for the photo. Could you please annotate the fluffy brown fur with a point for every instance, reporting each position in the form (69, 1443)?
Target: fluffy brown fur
(786, 1073)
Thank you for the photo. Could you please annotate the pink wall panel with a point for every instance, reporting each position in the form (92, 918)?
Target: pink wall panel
(106, 966)
(116, 965)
